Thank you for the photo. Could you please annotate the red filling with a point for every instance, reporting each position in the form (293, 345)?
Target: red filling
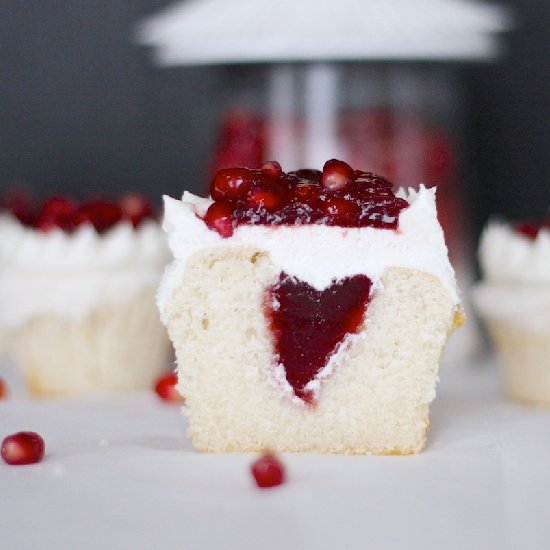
(337, 196)
(308, 324)
(68, 215)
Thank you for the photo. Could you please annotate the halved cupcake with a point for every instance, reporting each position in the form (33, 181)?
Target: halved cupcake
(308, 310)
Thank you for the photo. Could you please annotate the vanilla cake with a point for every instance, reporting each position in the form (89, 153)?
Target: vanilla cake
(77, 305)
(308, 311)
(513, 299)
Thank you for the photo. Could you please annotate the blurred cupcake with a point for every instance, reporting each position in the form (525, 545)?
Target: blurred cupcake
(77, 288)
(514, 301)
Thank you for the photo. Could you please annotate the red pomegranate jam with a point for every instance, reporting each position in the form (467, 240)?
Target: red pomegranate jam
(68, 215)
(338, 196)
(308, 324)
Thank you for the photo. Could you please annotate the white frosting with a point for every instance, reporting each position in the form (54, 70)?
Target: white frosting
(507, 256)
(63, 274)
(516, 270)
(317, 254)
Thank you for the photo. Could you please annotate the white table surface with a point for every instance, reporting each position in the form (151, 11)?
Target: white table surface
(119, 473)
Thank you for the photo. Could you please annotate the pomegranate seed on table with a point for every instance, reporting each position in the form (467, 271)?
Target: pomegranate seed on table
(268, 470)
(3, 389)
(336, 175)
(166, 388)
(23, 448)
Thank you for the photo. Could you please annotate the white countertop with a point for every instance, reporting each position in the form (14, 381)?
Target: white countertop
(119, 473)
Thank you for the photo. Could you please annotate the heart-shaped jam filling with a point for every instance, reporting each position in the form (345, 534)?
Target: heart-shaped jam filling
(308, 325)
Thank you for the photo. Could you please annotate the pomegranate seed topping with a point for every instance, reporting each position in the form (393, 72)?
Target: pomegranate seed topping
(57, 206)
(3, 389)
(23, 448)
(341, 211)
(219, 217)
(306, 192)
(102, 214)
(136, 208)
(269, 200)
(528, 229)
(272, 168)
(268, 470)
(336, 175)
(260, 197)
(166, 388)
(231, 184)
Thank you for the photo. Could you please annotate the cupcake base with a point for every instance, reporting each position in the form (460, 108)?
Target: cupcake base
(525, 358)
(118, 347)
(376, 400)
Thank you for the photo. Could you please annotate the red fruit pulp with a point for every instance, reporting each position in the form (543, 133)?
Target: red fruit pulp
(23, 448)
(337, 196)
(308, 324)
(268, 471)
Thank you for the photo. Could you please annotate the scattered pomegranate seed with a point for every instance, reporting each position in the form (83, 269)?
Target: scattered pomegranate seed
(268, 470)
(219, 217)
(336, 175)
(166, 388)
(272, 168)
(231, 184)
(23, 448)
(3, 389)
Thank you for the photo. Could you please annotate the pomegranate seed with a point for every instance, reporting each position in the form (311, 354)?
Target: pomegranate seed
(102, 214)
(136, 208)
(340, 211)
(528, 229)
(268, 470)
(263, 199)
(166, 388)
(219, 217)
(336, 175)
(23, 448)
(272, 168)
(57, 206)
(308, 193)
(231, 184)
(3, 389)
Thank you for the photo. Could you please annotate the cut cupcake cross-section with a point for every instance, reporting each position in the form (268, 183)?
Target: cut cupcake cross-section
(308, 310)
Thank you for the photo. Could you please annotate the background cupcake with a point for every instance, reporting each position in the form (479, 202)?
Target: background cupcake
(514, 301)
(77, 286)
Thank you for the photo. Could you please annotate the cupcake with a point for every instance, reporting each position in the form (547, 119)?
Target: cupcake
(513, 299)
(308, 310)
(77, 287)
